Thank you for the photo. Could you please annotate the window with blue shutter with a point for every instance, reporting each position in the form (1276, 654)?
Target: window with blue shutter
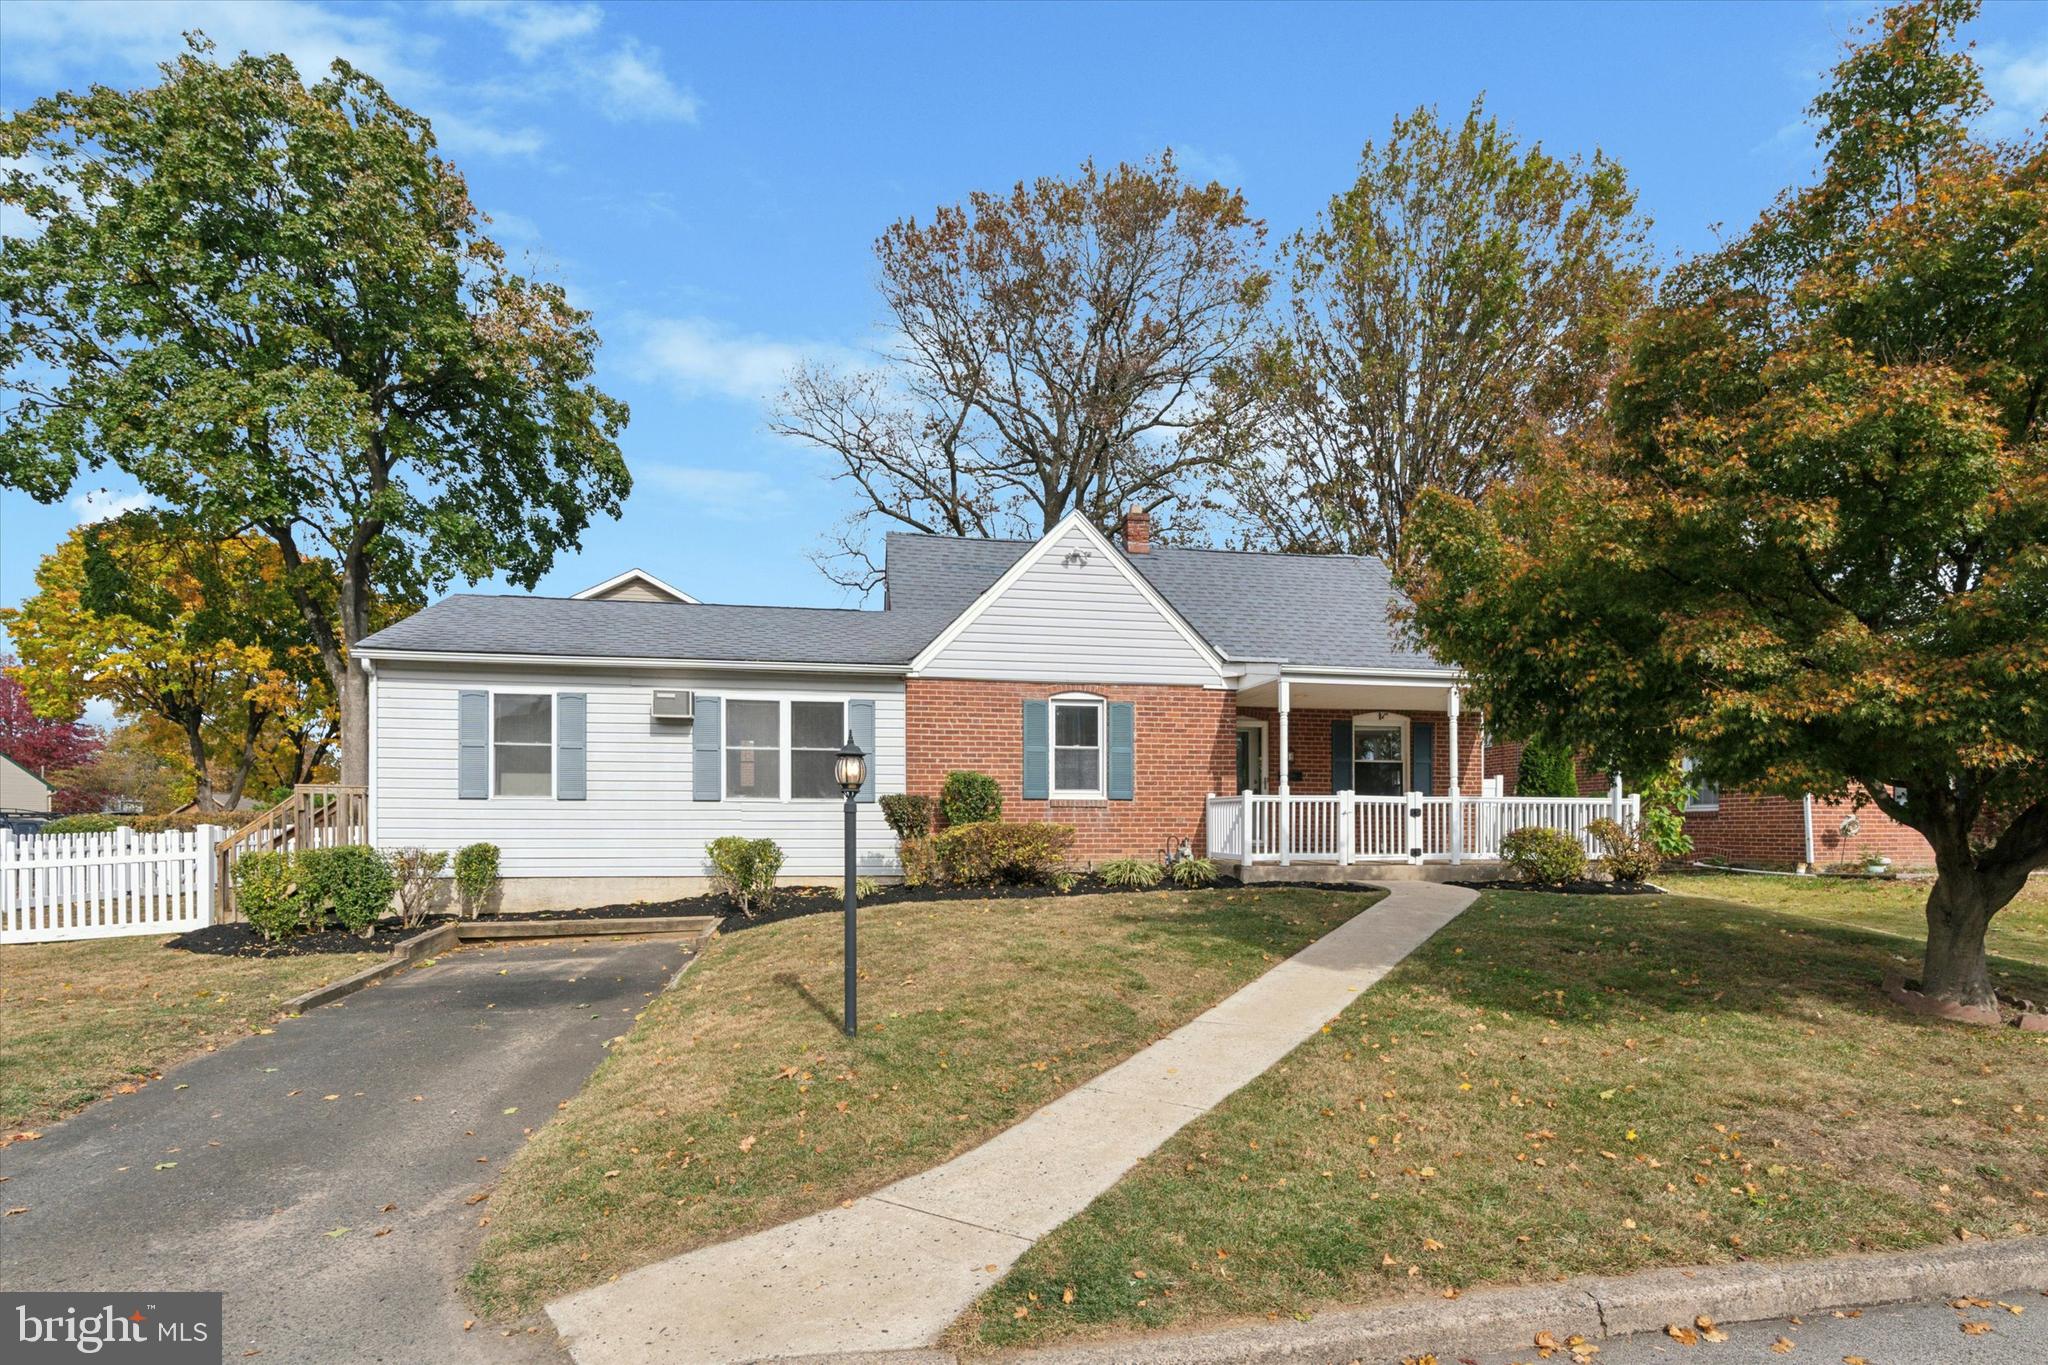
(1122, 751)
(1037, 751)
(707, 749)
(571, 749)
(860, 719)
(473, 745)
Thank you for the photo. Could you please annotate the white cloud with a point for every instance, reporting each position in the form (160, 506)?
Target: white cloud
(508, 226)
(630, 84)
(703, 356)
(733, 494)
(487, 136)
(530, 29)
(49, 42)
(2017, 81)
(1199, 165)
(104, 504)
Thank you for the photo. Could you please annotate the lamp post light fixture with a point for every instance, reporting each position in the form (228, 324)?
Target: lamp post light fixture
(851, 769)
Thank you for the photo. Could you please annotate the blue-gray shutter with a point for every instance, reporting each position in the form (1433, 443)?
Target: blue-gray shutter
(707, 749)
(1343, 775)
(472, 745)
(1422, 757)
(860, 718)
(1037, 754)
(1123, 766)
(572, 763)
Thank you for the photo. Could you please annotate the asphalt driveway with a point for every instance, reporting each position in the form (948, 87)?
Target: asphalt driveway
(321, 1175)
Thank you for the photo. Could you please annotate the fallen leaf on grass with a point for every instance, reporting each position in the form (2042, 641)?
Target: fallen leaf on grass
(747, 1143)
(1068, 1296)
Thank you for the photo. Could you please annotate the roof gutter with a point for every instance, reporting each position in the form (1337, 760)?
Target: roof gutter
(604, 661)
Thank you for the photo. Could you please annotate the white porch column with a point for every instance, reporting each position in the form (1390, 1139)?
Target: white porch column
(1286, 825)
(1457, 805)
(1615, 798)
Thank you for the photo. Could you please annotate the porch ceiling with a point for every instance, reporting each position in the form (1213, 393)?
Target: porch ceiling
(1348, 696)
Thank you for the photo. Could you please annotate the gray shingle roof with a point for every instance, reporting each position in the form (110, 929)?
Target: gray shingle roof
(1326, 611)
(597, 628)
(1321, 611)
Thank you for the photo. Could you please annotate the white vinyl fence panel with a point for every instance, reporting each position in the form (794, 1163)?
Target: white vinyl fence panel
(75, 886)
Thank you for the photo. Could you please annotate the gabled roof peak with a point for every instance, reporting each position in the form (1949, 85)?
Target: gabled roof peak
(635, 585)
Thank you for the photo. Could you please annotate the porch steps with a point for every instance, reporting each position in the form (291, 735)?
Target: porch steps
(1360, 873)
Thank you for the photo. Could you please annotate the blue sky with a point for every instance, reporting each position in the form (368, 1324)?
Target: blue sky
(709, 179)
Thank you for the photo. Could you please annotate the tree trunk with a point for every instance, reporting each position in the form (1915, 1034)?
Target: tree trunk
(352, 688)
(1959, 909)
(195, 743)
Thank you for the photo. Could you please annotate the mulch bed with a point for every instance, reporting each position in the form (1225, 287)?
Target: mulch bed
(1569, 888)
(240, 940)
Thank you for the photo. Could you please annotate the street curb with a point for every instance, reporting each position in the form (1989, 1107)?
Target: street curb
(443, 937)
(1595, 1307)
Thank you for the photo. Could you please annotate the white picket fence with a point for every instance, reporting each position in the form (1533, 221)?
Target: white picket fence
(73, 886)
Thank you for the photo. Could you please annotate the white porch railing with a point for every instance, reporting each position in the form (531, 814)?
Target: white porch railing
(72, 886)
(1346, 828)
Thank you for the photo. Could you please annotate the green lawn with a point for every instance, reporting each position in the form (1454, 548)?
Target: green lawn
(84, 1019)
(737, 1103)
(2020, 931)
(1564, 1085)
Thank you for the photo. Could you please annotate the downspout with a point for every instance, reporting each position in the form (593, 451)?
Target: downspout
(1806, 821)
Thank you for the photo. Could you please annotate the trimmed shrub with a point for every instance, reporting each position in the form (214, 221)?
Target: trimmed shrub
(920, 860)
(476, 876)
(989, 852)
(186, 820)
(1544, 855)
(267, 893)
(1546, 771)
(745, 869)
(348, 881)
(1192, 872)
(81, 824)
(416, 877)
(1131, 874)
(909, 816)
(1628, 854)
(970, 798)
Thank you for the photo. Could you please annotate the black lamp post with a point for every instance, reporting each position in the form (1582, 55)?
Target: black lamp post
(852, 771)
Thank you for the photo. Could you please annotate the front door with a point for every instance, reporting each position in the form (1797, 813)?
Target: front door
(1251, 758)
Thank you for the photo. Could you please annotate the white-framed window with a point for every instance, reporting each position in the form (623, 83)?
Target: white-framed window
(753, 748)
(1080, 737)
(816, 730)
(1705, 795)
(1379, 754)
(522, 744)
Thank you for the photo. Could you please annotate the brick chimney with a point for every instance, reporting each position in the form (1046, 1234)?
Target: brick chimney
(1137, 532)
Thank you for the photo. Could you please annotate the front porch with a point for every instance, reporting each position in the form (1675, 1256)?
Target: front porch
(1343, 769)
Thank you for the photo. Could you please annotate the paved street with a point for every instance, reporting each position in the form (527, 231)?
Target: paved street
(1903, 1334)
(266, 1169)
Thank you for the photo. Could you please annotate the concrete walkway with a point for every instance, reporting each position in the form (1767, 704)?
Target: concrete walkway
(893, 1270)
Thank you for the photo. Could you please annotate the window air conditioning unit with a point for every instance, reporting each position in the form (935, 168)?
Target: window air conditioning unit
(675, 705)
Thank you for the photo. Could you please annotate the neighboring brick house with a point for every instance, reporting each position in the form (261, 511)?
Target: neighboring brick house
(1755, 830)
(1152, 697)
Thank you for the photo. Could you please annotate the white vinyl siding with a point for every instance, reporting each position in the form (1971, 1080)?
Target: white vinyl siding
(638, 818)
(1073, 615)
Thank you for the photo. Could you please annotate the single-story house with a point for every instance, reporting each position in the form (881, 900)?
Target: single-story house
(21, 790)
(1149, 696)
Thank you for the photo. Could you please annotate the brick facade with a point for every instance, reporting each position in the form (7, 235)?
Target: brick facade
(1764, 831)
(1185, 746)
(1309, 736)
(1770, 831)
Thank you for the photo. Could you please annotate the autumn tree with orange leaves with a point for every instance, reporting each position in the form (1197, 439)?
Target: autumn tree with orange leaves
(1810, 548)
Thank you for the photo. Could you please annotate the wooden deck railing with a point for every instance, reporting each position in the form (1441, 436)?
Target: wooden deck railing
(315, 815)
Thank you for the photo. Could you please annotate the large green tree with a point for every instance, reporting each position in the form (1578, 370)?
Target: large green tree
(274, 306)
(1461, 298)
(1812, 551)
